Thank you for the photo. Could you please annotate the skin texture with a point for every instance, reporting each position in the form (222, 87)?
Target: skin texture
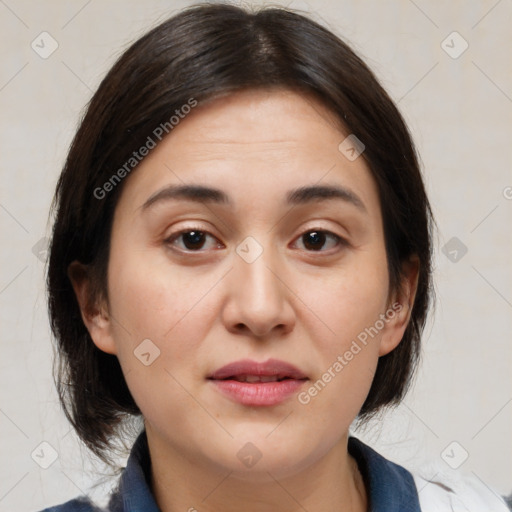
(210, 307)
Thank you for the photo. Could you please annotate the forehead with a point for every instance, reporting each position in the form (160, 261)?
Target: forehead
(240, 117)
(252, 144)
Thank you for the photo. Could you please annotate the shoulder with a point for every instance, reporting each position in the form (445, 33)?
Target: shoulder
(431, 487)
(131, 493)
(390, 487)
(81, 504)
(440, 490)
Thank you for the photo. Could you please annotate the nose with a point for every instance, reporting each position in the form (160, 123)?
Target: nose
(258, 302)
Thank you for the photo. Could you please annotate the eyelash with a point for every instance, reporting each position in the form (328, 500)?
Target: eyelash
(340, 242)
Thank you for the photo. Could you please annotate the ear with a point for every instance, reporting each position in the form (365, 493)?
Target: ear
(400, 306)
(95, 316)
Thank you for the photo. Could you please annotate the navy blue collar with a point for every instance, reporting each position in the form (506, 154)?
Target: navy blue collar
(134, 491)
(390, 487)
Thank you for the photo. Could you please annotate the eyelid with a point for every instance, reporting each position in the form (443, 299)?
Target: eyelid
(341, 240)
(187, 229)
(176, 234)
(316, 225)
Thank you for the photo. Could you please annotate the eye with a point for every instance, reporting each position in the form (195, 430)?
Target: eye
(316, 239)
(193, 239)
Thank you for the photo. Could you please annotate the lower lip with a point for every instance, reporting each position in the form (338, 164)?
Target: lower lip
(258, 393)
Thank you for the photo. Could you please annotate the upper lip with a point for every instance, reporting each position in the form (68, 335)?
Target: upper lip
(248, 367)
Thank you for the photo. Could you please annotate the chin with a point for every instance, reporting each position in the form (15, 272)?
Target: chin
(254, 456)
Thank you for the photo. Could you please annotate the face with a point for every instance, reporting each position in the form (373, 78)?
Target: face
(256, 271)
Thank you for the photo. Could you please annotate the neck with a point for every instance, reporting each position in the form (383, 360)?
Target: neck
(182, 482)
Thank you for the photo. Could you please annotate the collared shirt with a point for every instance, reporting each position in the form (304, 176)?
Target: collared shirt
(390, 487)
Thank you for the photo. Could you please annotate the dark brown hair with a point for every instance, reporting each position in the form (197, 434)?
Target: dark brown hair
(203, 52)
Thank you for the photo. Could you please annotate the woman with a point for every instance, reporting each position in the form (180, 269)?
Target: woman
(241, 256)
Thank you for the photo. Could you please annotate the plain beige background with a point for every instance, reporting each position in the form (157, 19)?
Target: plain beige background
(459, 107)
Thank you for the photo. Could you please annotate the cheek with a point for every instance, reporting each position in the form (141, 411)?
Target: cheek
(348, 299)
(346, 331)
(151, 293)
(151, 300)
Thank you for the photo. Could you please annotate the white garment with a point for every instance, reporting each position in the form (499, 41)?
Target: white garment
(444, 490)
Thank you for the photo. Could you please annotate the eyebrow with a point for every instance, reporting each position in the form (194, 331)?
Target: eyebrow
(298, 196)
(308, 194)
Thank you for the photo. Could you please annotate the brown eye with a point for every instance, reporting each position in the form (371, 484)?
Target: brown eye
(191, 240)
(315, 240)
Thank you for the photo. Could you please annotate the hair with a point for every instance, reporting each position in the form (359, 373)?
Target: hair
(204, 52)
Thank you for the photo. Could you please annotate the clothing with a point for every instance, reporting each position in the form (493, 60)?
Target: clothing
(391, 488)
(441, 489)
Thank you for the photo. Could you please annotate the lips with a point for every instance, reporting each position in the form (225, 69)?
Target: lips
(251, 371)
(258, 384)
(258, 378)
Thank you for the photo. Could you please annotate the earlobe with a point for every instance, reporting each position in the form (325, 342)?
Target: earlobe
(400, 306)
(95, 316)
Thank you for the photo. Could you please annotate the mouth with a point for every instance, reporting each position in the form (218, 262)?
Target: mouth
(258, 384)
(252, 379)
(272, 369)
